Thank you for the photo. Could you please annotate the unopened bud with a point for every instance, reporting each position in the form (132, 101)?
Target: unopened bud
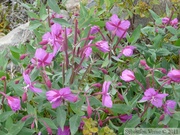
(44, 47)
(91, 37)
(120, 96)
(119, 84)
(161, 117)
(24, 97)
(100, 123)
(143, 62)
(16, 82)
(32, 125)
(104, 70)
(48, 83)
(23, 56)
(27, 71)
(89, 111)
(98, 85)
(49, 130)
(3, 78)
(43, 42)
(106, 111)
(163, 70)
(25, 118)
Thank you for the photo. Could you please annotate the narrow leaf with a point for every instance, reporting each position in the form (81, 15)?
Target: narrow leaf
(74, 122)
(53, 5)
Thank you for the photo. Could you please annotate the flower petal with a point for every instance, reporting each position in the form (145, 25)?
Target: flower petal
(107, 101)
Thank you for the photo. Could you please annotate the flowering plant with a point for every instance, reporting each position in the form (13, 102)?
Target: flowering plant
(83, 78)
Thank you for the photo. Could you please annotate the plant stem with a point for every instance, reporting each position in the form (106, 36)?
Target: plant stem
(146, 107)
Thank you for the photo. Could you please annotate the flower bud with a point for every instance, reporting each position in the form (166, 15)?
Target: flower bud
(48, 83)
(16, 82)
(3, 78)
(98, 85)
(23, 56)
(91, 37)
(161, 117)
(89, 111)
(43, 42)
(119, 84)
(32, 125)
(120, 96)
(44, 47)
(25, 118)
(143, 62)
(100, 123)
(24, 97)
(163, 70)
(49, 130)
(27, 71)
(104, 70)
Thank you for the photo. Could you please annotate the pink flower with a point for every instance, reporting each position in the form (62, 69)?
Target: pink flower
(66, 131)
(103, 46)
(30, 84)
(127, 75)
(94, 29)
(55, 37)
(165, 20)
(153, 96)
(117, 26)
(56, 97)
(14, 103)
(174, 23)
(88, 52)
(125, 117)
(127, 51)
(174, 75)
(42, 58)
(106, 98)
(169, 107)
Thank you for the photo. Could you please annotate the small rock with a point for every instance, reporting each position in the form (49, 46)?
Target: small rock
(21, 34)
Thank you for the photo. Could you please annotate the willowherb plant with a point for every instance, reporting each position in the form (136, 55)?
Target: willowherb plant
(91, 79)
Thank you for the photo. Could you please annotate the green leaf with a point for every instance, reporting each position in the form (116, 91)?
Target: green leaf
(61, 117)
(43, 14)
(5, 115)
(167, 10)
(121, 108)
(154, 15)
(34, 24)
(176, 116)
(30, 109)
(150, 112)
(49, 122)
(74, 122)
(26, 131)
(16, 128)
(135, 35)
(172, 30)
(76, 107)
(68, 76)
(162, 52)
(133, 122)
(9, 123)
(173, 123)
(83, 11)
(157, 41)
(53, 5)
(106, 62)
(32, 15)
(165, 121)
(62, 22)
